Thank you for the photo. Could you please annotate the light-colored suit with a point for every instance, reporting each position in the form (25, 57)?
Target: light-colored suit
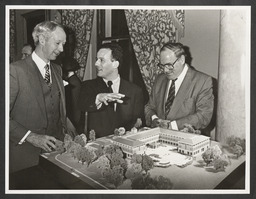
(28, 111)
(193, 103)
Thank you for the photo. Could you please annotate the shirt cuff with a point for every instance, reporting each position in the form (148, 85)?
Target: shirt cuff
(153, 117)
(98, 103)
(174, 125)
(70, 73)
(24, 138)
(65, 83)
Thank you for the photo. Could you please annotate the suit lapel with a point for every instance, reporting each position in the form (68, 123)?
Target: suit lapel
(62, 93)
(184, 88)
(164, 92)
(36, 87)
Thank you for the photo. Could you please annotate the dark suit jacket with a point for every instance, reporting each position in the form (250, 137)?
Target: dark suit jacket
(27, 110)
(104, 121)
(193, 103)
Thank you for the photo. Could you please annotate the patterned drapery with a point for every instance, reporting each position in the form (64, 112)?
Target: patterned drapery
(149, 30)
(80, 21)
(12, 36)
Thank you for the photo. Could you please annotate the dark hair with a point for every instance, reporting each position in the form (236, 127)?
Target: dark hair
(116, 51)
(177, 48)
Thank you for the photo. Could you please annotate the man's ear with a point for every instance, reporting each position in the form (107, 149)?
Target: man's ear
(116, 64)
(182, 59)
(41, 39)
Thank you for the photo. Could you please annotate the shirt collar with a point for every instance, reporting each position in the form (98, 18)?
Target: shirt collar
(114, 81)
(39, 62)
(183, 73)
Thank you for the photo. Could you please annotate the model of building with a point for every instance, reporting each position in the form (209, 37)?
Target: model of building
(186, 143)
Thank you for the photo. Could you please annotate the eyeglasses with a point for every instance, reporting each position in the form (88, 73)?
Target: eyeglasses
(102, 60)
(168, 65)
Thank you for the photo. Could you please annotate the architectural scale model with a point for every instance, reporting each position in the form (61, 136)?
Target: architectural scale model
(131, 143)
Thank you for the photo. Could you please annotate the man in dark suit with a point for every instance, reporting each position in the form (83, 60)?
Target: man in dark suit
(111, 102)
(37, 99)
(180, 95)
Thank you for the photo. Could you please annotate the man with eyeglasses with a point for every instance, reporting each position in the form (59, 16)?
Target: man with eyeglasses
(111, 101)
(180, 95)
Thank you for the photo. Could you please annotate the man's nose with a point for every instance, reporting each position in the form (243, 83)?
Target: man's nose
(61, 48)
(97, 63)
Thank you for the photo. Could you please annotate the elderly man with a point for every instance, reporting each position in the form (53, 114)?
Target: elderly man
(180, 95)
(111, 101)
(37, 98)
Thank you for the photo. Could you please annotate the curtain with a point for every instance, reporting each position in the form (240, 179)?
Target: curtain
(80, 21)
(149, 30)
(12, 36)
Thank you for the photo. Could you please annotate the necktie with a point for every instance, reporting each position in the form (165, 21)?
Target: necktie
(111, 104)
(109, 86)
(47, 77)
(171, 96)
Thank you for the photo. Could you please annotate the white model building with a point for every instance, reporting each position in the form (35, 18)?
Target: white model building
(186, 143)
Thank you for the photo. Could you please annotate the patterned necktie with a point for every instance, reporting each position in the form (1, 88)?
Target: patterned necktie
(171, 96)
(110, 83)
(47, 77)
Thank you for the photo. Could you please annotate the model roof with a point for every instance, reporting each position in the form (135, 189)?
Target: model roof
(129, 142)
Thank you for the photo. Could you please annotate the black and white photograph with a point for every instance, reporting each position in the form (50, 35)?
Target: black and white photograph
(127, 99)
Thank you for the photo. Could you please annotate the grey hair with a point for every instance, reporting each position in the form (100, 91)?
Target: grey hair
(44, 28)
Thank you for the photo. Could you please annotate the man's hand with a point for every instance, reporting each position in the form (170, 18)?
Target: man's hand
(110, 97)
(44, 142)
(155, 122)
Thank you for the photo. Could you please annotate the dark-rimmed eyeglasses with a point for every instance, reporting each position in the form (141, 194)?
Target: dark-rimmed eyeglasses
(167, 65)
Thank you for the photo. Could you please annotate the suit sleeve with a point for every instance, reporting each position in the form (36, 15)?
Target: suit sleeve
(204, 108)
(150, 107)
(139, 105)
(17, 131)
(86, 101)
(74, 86)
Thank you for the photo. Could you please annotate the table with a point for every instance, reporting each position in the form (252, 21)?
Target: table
(191, 177)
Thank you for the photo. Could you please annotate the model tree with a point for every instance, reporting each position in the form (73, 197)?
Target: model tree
(73, 146)
(59, 146)
(67, 140)
(87, 155)
(211, 153)
(114, 175)
(220, 164)
(99, 152)
(80, 139)
(133, 171)
(136, 158)
(147, 163)
(92, 135)
(103, 162)
(138, 123)
(78, 153)
(237, 145)
(144, 160)
(238, 150)
(163, 183)
(147, 182)
(115, 156)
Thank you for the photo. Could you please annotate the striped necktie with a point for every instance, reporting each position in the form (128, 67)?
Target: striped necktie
(47, 77)
(171, 96)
